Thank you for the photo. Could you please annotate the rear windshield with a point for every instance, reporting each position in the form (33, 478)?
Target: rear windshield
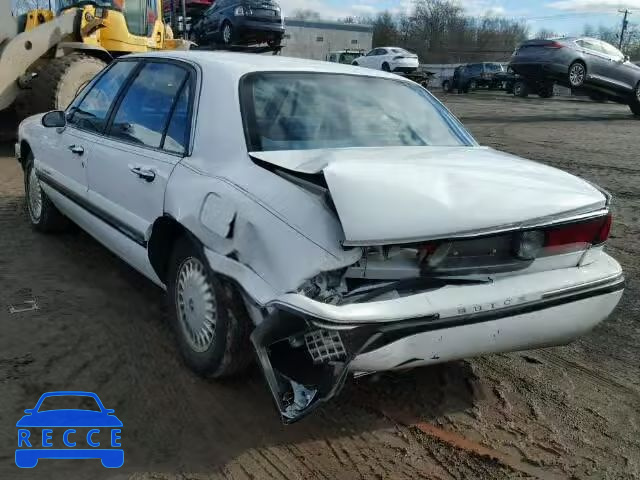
(299, 111)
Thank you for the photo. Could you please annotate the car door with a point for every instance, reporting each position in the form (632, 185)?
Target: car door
(217, 15)
(144, 140)
(209, 23)
(369, 58)
(63, 166)
(380, 58)
(597, 60)
(619, 72)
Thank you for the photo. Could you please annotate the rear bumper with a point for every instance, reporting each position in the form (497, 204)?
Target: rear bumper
(456, 302)
(257, 28)
(539, 70)
(406, 63)
(557, 324)
(307, 348)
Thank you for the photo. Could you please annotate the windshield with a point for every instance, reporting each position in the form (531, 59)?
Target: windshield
(114, 4)
(348, 57)
(300, 111)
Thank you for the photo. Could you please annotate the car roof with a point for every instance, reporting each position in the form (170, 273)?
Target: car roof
(239, 64)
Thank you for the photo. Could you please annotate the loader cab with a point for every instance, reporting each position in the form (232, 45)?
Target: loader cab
(134, 25)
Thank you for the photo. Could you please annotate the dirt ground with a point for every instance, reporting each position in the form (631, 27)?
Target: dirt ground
(567, 412)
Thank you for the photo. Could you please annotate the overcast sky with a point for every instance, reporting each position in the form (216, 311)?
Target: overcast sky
(562, 16)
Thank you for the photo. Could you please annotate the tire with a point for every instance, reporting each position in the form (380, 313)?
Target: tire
(634, 105)
(546, 91)
(275, 43)
(355, 64)
(43, 214)
(386, 67)
(223, 348)
(520, 89)
(226, 34)
(57, 82)
(577, 74)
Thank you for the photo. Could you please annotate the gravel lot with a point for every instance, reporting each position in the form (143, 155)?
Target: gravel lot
(569, 412)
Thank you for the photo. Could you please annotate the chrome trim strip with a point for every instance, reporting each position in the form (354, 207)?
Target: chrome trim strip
(609, 281)
(542, 222)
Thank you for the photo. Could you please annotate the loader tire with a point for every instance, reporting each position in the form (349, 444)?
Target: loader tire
(57, 82)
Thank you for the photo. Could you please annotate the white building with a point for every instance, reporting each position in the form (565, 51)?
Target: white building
(314, 39)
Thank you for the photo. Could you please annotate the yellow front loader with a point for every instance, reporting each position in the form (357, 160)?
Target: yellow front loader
(47, 57)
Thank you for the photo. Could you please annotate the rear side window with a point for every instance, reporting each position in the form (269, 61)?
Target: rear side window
(143, 115)
(611, 50)
(176, 139)
(90, 112)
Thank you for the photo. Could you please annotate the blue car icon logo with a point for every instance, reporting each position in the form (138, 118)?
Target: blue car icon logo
(92, 433)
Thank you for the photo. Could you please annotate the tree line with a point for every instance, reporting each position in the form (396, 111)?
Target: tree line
(440, 31)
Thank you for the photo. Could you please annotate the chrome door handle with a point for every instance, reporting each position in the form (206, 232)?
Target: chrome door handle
(144, 173)
(77, 149)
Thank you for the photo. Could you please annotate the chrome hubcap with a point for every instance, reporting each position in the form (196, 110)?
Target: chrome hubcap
(576, 75)
(227, 34)
(34, 196)
(196, 305)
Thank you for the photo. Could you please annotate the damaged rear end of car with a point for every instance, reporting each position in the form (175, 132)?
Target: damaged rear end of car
(369, 232)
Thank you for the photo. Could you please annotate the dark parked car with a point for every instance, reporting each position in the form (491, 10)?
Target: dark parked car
(473, 76)
(583, 64)
(240, 22)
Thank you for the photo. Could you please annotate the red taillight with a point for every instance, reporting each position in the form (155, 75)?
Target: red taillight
(554, 45)
(594, 232)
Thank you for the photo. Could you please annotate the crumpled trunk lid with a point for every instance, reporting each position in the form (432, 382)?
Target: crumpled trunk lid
(407, 194)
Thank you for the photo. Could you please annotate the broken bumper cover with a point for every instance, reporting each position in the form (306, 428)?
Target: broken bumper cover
(307, 348)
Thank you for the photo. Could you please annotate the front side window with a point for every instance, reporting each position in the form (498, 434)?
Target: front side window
(90, 112)
(300, 111)
(143, 115)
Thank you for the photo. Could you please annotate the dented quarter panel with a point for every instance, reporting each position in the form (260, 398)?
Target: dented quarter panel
(283, 234)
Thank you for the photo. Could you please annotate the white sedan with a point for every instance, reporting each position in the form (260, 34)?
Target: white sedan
(389, 59)
(337, 219)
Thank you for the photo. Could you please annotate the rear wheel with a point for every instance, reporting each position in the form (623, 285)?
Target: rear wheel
(355, 64)
(385, 67)
(274, 43)
(520, 89)
(43, 214)
(546, 91)
(577, 74)
(57, 82)
(209, 319)
(634, 105)
(227, 33)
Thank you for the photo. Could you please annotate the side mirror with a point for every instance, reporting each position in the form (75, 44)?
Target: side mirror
(56, 118)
